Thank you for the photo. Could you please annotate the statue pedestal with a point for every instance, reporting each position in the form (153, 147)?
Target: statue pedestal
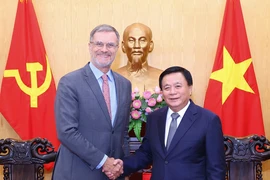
(134, 144)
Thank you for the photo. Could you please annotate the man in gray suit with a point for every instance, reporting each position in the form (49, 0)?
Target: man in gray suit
(92, 131)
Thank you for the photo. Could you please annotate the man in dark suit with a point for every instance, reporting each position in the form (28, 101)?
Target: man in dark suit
(195, 151)
(92, 127)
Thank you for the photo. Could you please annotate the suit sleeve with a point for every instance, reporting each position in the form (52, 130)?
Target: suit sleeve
(215, 155)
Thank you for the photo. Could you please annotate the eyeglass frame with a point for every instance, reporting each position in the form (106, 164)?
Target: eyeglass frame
(100, 45)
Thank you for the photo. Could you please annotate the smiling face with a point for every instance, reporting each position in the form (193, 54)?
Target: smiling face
(137, 43)
(176, 91)
(102, 57)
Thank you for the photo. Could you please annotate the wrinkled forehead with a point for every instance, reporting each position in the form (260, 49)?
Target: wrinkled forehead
(174, 78)
(105, 36)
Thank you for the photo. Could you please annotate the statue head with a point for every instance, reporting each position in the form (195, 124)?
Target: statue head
(137, 43)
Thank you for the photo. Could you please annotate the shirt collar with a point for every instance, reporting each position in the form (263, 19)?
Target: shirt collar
(99, 73)
(181, 112)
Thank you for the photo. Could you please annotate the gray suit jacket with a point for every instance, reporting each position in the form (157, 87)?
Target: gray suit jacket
(84, 126)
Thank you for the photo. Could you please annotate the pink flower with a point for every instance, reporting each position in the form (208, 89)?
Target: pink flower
(147, 94)
(152, 102)
(159, 98)
(135, 114)
(136, 104)
(157, 90)
(148, 110)
(136, 90)
(133, 95)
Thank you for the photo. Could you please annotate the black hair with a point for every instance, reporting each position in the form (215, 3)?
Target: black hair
(176, 69)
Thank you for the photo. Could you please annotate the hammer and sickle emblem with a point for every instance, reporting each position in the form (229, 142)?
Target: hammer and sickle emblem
(32, 91)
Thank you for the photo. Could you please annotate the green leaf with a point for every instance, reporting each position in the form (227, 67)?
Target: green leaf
(137, 129)
(131, 125)
(143, 117)
(137, 95)
(144, 104)
(163, 103)
(155, 95)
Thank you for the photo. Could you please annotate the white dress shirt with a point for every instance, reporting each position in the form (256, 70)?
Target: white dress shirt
(169, 120)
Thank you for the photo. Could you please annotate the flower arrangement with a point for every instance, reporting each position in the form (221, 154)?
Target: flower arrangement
(141, 106)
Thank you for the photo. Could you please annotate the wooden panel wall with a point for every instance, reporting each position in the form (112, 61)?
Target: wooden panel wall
(185, 33)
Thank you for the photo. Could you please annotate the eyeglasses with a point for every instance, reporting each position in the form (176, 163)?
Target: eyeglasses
(100, 45)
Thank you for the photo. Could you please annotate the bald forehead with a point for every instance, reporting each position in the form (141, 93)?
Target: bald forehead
(135, 26)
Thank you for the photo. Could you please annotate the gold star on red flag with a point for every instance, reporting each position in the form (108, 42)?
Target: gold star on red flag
(232, 75)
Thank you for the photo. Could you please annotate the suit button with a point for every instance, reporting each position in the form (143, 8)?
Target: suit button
(166, 162)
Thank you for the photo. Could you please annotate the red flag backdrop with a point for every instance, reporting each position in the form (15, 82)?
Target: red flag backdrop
(232, 91)
(28, 88)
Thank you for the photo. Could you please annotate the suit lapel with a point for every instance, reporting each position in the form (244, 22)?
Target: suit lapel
(161, 124)
(186, 122)
(118, 95)
(94, 86)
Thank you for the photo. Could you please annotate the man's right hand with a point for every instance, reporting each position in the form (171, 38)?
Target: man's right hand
(113, 168)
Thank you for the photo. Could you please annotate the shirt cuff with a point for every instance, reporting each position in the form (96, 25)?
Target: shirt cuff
(102, 162)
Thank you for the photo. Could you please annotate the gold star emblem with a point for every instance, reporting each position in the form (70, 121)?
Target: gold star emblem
(232, 75)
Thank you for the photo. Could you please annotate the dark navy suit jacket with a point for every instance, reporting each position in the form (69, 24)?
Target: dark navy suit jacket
(196, 151)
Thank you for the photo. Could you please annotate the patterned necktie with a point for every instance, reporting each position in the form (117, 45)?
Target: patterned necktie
(173, 127)
(106, 92)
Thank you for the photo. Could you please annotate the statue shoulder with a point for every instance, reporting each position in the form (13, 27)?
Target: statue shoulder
(122, 71)
(154, 71)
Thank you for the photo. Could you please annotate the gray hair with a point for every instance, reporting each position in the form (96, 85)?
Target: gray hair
(104, 28)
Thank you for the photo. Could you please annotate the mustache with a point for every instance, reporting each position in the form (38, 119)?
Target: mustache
(134, 52)
(104, 53)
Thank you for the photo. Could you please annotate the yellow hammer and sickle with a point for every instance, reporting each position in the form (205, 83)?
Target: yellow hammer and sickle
(32, 91)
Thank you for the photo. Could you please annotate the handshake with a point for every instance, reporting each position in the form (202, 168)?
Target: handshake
(113, 168)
